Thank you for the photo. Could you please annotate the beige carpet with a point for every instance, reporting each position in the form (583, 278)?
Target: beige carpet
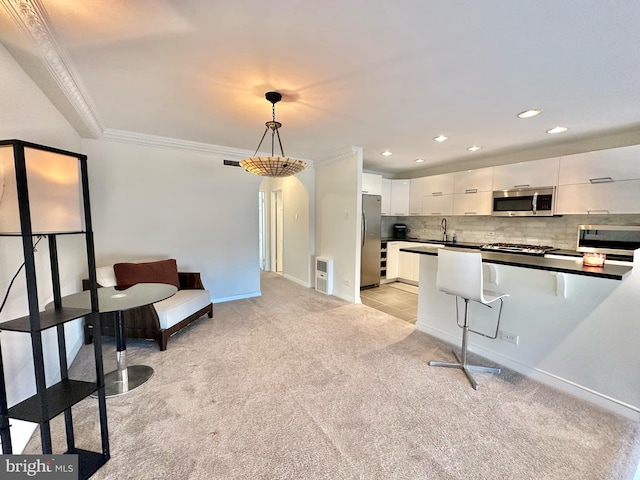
(298, 385)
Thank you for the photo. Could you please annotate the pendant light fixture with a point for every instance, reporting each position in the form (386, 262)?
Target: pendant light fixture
(272, 166)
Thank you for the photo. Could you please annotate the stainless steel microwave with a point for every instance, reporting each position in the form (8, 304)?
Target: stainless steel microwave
(524, 202)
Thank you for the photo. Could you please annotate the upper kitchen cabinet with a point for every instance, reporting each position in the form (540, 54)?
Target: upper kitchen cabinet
(472, 192)
(400, 197)
(471, 181)
(601, 182)
(372, 184)
(437, 194)
(603, 166)
(438, 184)
(537, 173)
(436, 205)
(415, 196)
(386, 197)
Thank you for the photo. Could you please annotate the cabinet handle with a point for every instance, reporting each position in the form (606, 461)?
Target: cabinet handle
(436, 193)
(521, 186)
(415, 213)
(597, 211)
(436, 213)
(469, 213)
(471, 190)
(601, 180)
(400, 214)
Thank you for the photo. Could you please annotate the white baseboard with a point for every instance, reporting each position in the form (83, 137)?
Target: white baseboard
(559, 383)
(297, 280)
(236, 297)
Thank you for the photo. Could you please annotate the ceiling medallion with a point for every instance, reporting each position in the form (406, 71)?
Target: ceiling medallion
(272, 166)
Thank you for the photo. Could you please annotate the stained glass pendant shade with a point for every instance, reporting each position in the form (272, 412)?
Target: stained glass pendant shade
(272, 166)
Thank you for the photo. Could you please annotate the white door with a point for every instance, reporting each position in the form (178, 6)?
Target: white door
(262, 224)
(277, 230)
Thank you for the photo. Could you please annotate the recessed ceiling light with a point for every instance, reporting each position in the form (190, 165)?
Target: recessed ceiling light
(386, 153)
(440, 138)
(419, 160)
(530, 113)
(474, 148)
(557, 130)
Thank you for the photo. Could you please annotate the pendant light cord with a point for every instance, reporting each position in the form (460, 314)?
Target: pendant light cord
(6, 296)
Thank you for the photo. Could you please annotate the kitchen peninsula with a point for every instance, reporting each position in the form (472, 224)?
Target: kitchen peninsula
(576, 327)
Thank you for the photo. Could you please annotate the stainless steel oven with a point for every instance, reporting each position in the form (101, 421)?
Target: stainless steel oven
(614, 239)
(524, 202)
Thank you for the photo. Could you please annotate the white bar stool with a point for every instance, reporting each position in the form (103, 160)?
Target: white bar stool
(460, 274)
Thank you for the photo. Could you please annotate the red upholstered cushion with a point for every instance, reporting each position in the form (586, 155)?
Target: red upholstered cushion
(163, 271)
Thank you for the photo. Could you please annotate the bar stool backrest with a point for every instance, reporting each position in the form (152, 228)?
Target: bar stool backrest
(460, 273)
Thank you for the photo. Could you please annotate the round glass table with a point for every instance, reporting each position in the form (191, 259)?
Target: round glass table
(117, 300)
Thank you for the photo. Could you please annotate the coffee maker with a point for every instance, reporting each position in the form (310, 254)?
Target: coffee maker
(400, 231)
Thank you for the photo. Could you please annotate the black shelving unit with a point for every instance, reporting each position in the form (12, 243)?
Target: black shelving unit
(59, 398)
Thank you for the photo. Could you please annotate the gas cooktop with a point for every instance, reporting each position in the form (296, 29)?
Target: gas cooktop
(517, 248)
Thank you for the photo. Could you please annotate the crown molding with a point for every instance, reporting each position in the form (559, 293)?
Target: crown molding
(340, 155)
(31, 17)
(125, 136)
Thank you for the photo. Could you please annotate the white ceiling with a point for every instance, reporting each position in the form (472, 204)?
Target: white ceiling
(371, 73)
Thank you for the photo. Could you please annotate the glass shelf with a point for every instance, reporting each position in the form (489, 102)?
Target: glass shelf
(59, 397)
(41, 234)
(48, 319)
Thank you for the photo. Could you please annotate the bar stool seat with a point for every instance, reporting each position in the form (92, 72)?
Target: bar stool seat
(460, 274)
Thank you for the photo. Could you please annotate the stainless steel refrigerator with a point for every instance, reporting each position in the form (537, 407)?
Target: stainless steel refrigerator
(370, 251)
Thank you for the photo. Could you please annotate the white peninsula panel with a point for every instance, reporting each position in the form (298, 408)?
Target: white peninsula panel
(576, 333)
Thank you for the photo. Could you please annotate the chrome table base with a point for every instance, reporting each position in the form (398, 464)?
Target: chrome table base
(124, 379)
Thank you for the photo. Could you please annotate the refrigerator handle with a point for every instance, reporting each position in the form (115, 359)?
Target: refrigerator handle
(363, 229)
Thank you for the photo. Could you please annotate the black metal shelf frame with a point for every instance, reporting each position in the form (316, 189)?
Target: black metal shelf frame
(50, 402)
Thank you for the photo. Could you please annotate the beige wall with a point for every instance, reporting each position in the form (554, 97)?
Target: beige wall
(154, 201)
(338, 207)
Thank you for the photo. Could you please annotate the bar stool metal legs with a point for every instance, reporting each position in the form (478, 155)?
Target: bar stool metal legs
(462, 359)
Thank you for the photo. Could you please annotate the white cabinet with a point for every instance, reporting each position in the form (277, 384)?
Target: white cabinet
(409, 263)
(372, 184)
(400, 197)
(472, 192)
(599, 198)
(386, 197)
(603, 166)
(437, 196)
(537, 173)
(474, 203)
(438, 184)
(415, 196)
(437, 204)
(606, 181)
(472, 181)
(406, 269)
(393, 257)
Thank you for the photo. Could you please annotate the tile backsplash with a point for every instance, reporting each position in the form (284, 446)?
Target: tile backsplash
(559, 231)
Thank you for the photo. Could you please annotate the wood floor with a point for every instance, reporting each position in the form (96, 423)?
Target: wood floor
(397, 299)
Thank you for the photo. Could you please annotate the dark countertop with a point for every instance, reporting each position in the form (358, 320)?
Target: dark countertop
(614, 272)
(434, 241)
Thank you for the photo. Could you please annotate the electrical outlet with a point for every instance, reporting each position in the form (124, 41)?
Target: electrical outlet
(510, 337)
(347, 282)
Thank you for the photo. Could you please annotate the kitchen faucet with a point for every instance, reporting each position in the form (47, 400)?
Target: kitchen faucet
(443, 227)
